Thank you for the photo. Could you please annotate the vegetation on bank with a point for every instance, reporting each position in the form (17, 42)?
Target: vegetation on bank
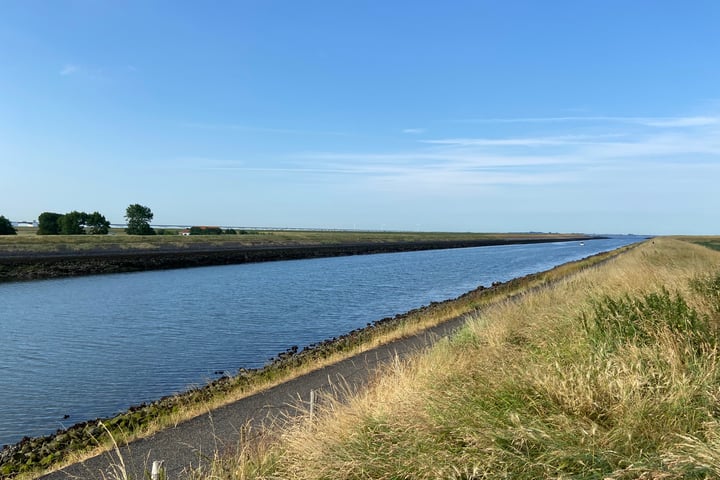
(72, 223)
(709, 242)
(613, 372)
(138, 218)
(203, 230)
(6, 227)
(606, 372)
(27, 242)
(72, 257)
(34, 455)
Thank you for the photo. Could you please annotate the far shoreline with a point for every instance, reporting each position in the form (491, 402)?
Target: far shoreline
(39, 265)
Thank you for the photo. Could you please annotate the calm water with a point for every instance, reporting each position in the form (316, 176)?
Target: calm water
(93, 346)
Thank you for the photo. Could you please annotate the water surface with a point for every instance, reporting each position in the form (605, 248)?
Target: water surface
(91, 347)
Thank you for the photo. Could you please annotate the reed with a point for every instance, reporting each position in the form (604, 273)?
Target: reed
(610, 372)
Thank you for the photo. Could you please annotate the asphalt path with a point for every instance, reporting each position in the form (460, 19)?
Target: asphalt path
(191, 444)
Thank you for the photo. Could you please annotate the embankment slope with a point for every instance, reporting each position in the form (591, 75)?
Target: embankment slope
(612, 372)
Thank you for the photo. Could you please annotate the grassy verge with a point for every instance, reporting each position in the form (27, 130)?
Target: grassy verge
(35, 455)
(612, 372)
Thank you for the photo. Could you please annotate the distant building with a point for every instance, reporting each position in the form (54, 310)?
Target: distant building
(185, 232)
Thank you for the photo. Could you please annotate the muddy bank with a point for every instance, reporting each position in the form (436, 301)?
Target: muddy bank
(93, 262)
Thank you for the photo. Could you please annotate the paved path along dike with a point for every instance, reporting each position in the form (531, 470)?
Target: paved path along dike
(191, 443)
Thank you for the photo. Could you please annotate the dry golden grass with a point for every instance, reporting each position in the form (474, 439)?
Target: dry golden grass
(517, 381)
(409, 325)
(610, 373)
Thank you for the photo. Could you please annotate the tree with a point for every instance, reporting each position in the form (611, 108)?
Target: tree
(6, 228)
(72, 223)
(48, 223)
(96, 224)
(138, 219)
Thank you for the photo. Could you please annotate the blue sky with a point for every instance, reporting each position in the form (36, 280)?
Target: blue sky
(572, 116)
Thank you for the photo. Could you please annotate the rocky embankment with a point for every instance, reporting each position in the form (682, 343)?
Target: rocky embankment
(39, 453)
(32, 454)
(34, 266)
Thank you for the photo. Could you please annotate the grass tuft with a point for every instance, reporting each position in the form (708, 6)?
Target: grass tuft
(639, 320)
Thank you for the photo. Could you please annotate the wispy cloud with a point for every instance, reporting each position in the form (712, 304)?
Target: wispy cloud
(259, 129)
(413, 131)
(69, 69)
(682, 121)
(522, 142)
(669, 122)
(97, 72)
(451, 163)
(457, 162)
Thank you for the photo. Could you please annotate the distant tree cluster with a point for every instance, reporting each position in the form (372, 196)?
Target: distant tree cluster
(211, 231)
(138, 219)
(72, 223)
(206, 231)
(6, 227)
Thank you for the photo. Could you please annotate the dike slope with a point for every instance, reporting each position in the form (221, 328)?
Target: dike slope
(188, 444)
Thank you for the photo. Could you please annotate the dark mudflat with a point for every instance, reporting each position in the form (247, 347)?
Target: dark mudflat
(33, 266)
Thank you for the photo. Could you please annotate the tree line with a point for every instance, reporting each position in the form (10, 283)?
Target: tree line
(72, 223)
(212, 231)
(138, 219)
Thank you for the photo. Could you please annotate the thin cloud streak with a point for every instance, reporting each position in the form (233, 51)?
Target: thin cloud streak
(682, 122)
(557, 158)
(247, 128)
(604, 147)
(469, 170)
(441, 157)
(664, 122)
(444, 164)
(69, 69)
(91, 72)
(523, 142)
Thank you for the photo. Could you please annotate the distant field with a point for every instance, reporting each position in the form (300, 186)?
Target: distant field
(710, 242)
(27, 240)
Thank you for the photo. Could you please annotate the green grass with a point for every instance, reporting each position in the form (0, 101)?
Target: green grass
(709, 242)
(614, 372)
(616, 322)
